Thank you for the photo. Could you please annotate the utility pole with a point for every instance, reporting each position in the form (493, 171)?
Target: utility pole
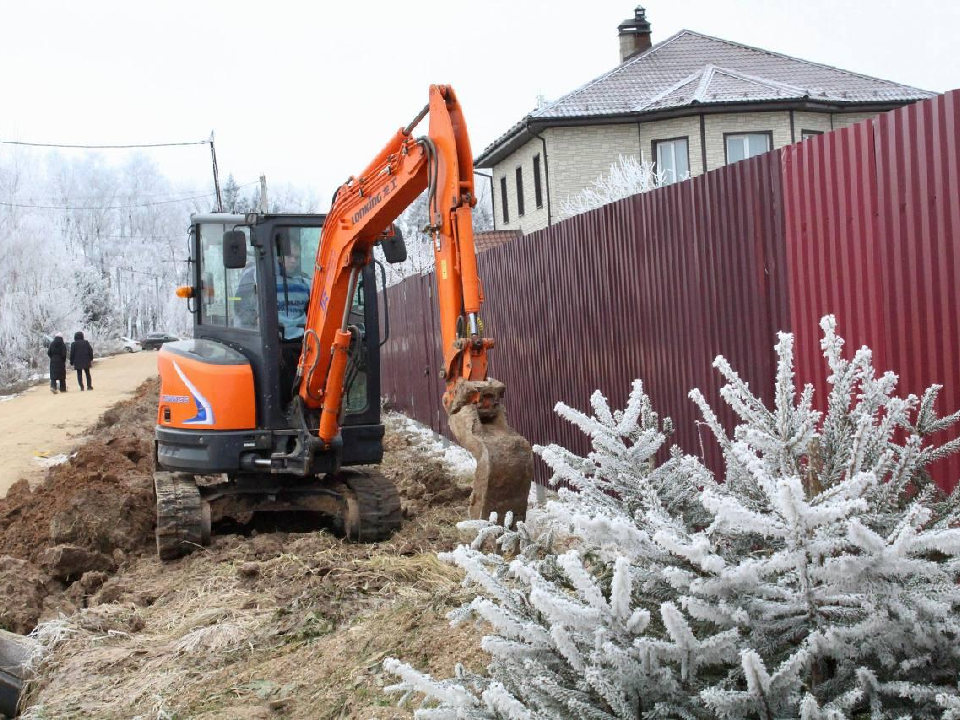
(263, 194)
(216, 174)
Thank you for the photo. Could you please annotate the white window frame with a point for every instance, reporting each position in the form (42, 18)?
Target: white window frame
(744, 137)
(671, 143)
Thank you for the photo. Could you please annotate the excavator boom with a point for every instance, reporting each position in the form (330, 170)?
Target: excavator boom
(442, 164)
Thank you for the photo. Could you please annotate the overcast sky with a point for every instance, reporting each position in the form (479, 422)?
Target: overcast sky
(308, 92)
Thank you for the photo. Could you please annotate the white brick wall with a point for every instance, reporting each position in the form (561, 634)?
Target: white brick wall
(533, 218)
(844, 119)
(578, 155)
(716, 125)
(819, 122)
(688, 127)
(825, 122)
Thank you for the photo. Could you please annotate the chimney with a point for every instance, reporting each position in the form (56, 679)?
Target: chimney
(634, 34)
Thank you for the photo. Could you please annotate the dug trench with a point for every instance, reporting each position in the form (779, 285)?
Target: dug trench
(278, 624)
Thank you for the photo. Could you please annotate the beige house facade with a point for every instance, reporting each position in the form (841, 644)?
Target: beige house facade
(688, 105)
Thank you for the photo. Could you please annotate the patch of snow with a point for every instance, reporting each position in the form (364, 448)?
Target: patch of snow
(460, 462)
(457, 459)
(5, 398)
(48, 462)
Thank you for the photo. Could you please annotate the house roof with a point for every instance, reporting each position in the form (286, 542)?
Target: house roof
(489, 239)
(693, 71)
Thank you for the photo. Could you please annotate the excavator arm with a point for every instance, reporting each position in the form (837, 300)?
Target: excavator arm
(441, 163)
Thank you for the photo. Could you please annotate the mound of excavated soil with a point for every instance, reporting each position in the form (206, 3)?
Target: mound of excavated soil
(101, 499)
(87, 516)
(422, 478)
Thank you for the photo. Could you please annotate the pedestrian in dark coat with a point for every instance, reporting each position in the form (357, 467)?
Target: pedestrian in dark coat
(81, 358)
(57, 352)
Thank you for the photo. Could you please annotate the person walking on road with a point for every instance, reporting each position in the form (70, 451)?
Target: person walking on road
(57, 352)
(81, 358)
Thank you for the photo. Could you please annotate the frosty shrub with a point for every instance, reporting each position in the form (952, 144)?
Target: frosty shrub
(818, 580)
(628, 176)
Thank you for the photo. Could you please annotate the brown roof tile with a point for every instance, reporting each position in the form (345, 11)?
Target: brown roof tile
(490, 239)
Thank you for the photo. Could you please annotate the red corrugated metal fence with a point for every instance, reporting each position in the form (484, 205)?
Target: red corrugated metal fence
(873, 236)
(862, 223)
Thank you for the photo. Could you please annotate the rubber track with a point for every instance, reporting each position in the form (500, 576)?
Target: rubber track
(178, 515)
(379, 504)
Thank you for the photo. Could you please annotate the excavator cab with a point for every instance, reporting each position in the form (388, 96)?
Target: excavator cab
(232, 437)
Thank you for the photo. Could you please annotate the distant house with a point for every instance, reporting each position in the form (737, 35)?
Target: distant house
(690, 104)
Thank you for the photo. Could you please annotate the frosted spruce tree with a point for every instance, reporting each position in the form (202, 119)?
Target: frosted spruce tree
(818, 580)
(627, 176)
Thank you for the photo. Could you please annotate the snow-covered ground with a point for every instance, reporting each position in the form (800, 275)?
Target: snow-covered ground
(460, 462)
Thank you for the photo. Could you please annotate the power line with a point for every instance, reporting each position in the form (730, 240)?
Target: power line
(171, 194)
(118, 207)
(107, 207)
(103, 147)
(144, 237)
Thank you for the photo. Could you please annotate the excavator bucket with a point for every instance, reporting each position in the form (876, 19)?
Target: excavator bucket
(16, 652)
(504, 458)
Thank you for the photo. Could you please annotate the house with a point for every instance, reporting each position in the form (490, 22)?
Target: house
(690, 104)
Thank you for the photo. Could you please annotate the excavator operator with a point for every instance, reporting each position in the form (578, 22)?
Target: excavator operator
(293, 293)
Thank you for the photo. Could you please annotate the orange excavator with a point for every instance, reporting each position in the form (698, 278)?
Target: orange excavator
(274, 406)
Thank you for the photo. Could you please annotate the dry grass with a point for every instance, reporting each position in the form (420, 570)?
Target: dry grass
(283, 625)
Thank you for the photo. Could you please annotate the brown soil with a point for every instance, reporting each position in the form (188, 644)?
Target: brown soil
(101, 499)
(272, 625)
(422, 479)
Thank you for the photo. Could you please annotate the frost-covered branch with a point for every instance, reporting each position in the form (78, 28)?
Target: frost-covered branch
(819, 579)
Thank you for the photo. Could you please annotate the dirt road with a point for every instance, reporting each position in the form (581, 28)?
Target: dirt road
(41, 423)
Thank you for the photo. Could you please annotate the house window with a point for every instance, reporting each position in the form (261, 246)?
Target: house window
(673, 159)
(807, 134)
(537, 187)
(503, 199)
(740, 146)
(520, 192)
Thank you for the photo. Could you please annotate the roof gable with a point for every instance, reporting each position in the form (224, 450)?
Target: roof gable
(721, 85)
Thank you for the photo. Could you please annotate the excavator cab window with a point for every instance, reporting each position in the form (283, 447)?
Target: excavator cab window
(356, 377)
(295, 248)
(222, 289)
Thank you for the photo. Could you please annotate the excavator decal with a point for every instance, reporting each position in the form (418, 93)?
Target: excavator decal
(204, 414)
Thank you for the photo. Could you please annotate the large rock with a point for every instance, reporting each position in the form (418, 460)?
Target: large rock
(22, 590)
(69, 562)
